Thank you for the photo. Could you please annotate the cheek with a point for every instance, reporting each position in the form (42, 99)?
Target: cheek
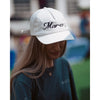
(48, 53)
(48, 49)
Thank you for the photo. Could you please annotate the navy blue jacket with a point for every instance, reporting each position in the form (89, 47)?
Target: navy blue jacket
(59, 86)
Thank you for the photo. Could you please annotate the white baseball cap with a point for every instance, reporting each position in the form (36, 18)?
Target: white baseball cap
(49, 26)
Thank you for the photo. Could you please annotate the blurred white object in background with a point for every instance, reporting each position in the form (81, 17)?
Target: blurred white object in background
(84, 4)
(12, 12)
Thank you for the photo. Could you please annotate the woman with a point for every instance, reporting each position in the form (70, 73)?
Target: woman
(41, 73)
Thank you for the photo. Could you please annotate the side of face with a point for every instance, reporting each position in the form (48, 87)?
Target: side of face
(54, 50)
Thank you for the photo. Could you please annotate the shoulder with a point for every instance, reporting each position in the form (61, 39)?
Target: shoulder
(23, 79)
(62, 60)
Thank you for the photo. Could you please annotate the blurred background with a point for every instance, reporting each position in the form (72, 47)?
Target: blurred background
(77, 14)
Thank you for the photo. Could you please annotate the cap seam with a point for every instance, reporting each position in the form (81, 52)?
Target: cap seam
(51, 14)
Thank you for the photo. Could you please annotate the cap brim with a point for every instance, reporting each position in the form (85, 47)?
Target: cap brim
(55, 37)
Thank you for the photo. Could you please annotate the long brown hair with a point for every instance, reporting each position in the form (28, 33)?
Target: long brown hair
(33, 60)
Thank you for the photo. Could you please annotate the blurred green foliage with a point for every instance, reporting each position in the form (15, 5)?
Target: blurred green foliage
(81, 72)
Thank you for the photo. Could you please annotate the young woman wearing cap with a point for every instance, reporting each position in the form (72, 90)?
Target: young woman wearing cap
(41, 73)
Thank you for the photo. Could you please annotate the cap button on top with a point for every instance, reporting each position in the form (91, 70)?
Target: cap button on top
(44, 7)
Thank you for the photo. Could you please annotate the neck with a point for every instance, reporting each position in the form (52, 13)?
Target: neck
(50, 63)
